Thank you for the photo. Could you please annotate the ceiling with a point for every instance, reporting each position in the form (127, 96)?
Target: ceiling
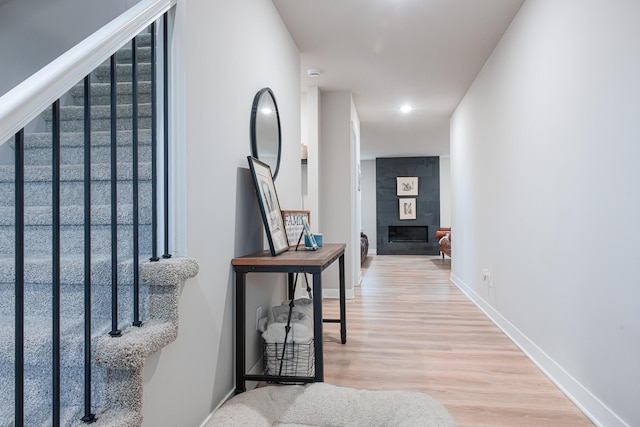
(390, 52)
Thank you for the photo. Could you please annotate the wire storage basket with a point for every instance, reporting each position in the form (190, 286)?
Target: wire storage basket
(292, 359)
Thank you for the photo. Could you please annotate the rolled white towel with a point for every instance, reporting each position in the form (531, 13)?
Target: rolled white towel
(301, 330)
(304, 305)
(301, 305)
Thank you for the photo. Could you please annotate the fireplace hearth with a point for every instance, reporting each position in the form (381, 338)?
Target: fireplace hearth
(404, 234)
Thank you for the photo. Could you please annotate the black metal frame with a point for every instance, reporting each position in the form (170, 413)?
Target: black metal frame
(19, 267)
(89, 417)
(241, 272)
(154, 150)
(115, 332)
(165, 65)
(252, 126)
(55, 279)
(134, 177)
(261, 169)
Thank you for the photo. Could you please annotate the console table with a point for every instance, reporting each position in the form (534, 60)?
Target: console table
(290, 262)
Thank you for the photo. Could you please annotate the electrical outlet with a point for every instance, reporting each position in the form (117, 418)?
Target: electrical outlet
(258, 317)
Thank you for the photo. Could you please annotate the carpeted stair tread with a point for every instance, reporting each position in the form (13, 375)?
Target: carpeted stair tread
(143, 53)
(70, 416)
(101, 122)
(37, 340)
(74, 215)
(38, 193)
(76, 112)
(75, 155)
(135, 345)
(99, 172)
(38, 392)
(102, 74)
(38, 298)
(39, 239)
(101, 93)
(36, 140)
(38, 270)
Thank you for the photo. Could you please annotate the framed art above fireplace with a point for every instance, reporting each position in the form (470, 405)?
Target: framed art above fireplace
(407, 186)
(407, 208)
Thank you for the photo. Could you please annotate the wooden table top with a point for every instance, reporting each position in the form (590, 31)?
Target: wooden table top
(301, 257)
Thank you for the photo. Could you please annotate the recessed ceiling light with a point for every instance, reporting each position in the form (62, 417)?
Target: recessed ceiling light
(314, 72)
(406, 108)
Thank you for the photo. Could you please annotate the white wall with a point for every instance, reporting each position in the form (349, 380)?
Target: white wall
(356, 193)
(338, 187)
(310, 137)
(225, 52)
(544, 161)
(35, 32)
(445, 191)
(368, 185)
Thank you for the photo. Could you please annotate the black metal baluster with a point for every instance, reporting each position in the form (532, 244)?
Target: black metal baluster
(134, 96)
(165, 57)
(115, 332)
(19, 279)
(88, 417)
(55, 276)
(154, 149)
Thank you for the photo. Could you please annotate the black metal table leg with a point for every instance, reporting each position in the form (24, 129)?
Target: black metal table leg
(240, 332)
(291, 289)
(343, 302)
(317, 326)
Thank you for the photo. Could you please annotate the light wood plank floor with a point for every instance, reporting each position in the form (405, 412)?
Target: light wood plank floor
(410, 328)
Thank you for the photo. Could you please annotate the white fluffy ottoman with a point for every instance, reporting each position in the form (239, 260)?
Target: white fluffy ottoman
(320, 404)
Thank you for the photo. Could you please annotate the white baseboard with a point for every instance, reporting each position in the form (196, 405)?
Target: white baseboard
(255, 369)
(227, 397)
(372, 251)
(335, 293)
(592, 407)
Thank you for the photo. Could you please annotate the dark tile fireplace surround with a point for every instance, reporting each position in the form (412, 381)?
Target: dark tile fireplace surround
(407, 237)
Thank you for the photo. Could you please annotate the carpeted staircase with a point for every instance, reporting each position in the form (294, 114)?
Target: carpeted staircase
(117, 362)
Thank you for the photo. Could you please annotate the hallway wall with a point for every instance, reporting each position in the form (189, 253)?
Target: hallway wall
(544, 151)
(225, 52)
(31, 36)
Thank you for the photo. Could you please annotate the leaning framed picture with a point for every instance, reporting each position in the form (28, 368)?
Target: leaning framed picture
(407, 208)
(407, 186)
(269, 206)
(294, 226)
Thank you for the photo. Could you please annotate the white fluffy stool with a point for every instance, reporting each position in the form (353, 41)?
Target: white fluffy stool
(320, 404)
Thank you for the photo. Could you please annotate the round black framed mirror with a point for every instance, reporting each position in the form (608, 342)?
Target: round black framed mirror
(265, 130)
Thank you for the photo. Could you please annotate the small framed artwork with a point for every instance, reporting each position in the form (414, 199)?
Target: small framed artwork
(407, 186)
(407, 208)
(269, 206)
(294, 226)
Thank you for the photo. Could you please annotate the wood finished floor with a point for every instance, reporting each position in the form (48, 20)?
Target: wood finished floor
(410, 328)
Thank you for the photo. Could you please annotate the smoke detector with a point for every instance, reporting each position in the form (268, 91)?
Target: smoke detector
(313, 72)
